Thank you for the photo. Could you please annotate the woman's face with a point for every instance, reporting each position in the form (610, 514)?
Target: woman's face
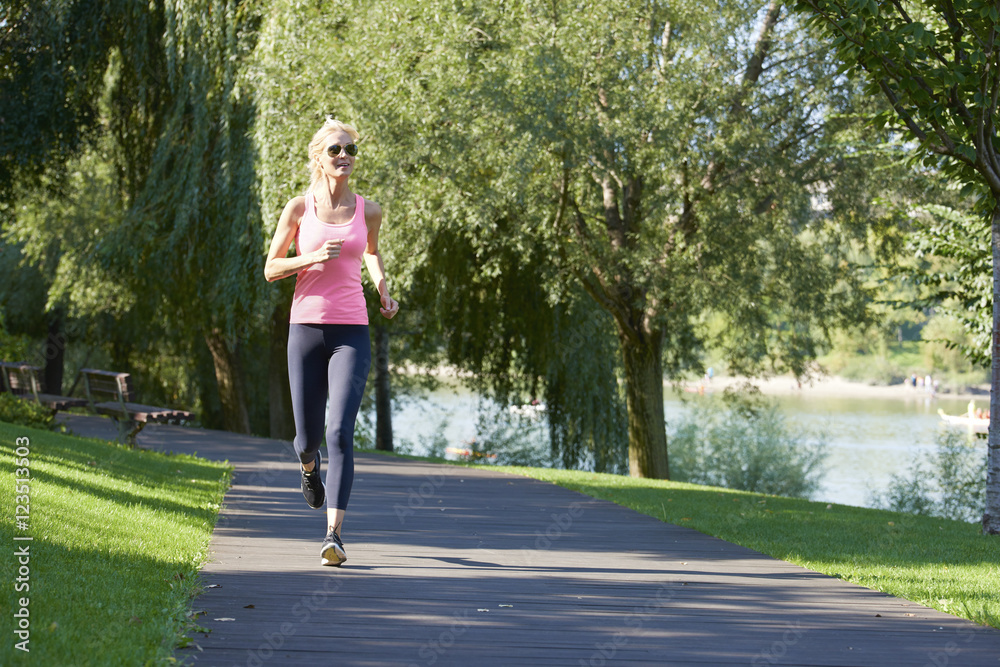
(339, 164)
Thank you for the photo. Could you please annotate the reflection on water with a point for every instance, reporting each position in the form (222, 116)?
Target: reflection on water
(868, 439)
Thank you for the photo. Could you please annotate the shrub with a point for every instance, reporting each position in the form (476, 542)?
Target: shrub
(744, 442)
(14, 410)
(948, 483)
(509, 439)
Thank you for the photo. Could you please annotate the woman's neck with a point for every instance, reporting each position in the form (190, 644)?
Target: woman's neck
(339, 192)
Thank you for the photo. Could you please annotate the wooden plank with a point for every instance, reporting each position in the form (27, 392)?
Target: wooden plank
(143, 413)
(55, 402)
(590, 582)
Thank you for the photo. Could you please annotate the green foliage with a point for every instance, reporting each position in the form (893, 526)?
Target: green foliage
(745, 443)
(957, 245)
(52, 57)
(142, 222)
(950, 483)
(934, 64)
(14, 410)
(583, 395)
(532, 154)
(12, 347)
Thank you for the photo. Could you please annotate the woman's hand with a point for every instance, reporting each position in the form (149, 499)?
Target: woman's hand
(389, 306)
(329, 250)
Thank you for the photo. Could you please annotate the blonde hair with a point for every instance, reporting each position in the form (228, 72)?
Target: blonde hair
(318, 144)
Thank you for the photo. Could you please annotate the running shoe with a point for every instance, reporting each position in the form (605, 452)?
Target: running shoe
(312, 485)
(332, 551)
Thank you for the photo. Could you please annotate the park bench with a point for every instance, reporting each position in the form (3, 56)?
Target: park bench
(28, 382)
(111, 393)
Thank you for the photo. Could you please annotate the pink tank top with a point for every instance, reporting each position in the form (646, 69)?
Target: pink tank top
(330, 292)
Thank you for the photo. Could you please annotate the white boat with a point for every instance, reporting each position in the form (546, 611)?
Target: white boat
(973, 423)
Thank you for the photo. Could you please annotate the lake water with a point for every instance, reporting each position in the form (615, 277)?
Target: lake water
(868, 439)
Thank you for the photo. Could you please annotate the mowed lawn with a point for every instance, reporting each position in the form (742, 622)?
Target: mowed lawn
(118, 536)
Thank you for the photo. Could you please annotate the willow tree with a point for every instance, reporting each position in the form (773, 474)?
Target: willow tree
(154, 90)
(531, 344)
(938, 66)
(194, 227)
(72, 73)
(662, 159)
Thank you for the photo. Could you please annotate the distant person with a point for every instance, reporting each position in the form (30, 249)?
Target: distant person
(329, 351)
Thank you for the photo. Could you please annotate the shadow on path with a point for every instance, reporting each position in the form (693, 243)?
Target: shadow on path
(455, 566)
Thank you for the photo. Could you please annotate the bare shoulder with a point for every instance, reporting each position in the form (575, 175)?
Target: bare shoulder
(295, 208)
(373, 214)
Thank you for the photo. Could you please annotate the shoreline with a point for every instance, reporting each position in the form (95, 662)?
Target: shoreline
(836, 387)
(827, 386)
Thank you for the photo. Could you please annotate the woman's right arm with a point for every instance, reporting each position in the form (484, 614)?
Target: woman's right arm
(278, 265)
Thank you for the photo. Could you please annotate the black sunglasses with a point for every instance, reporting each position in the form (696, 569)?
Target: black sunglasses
(350, 149)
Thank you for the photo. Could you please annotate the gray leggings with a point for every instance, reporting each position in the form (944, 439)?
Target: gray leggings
(328, 359)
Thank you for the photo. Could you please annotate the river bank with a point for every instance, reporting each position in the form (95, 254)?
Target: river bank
(835, 387)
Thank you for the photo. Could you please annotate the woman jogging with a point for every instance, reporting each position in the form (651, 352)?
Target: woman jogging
(329, 352)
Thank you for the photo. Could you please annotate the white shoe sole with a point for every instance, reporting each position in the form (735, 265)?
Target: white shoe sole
(333, 555)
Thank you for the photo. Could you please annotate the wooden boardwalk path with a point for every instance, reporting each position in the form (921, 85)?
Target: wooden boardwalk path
(453, 566)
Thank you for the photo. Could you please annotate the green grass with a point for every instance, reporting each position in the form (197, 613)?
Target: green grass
(947, 565)
(118, 538)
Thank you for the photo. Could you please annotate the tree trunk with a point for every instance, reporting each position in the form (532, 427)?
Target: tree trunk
(279, 395)
(647, 429)
(383, 392)
(229, 377)
(991, 513)
(55, 355)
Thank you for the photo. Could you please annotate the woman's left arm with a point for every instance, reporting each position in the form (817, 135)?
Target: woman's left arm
(373, 260)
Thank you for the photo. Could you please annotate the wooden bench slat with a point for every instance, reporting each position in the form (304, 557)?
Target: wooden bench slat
(110, 374)
(142, 412)
(57, 403)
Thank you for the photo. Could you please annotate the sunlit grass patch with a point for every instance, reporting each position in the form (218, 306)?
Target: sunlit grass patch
(118, 537)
